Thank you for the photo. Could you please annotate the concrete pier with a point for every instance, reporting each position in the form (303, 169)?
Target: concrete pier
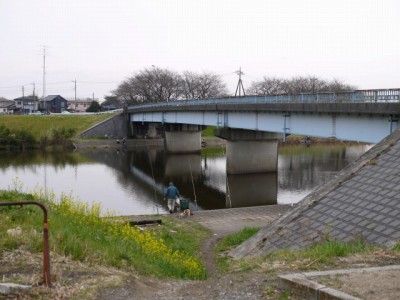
(182, 138)
(182, 141)
(250, 151)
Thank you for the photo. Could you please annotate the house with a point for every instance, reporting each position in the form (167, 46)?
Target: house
(7, 107)
(79, 105)
(26, 105)
(53, 104)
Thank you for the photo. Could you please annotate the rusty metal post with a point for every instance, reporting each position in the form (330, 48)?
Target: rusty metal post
(46, 255)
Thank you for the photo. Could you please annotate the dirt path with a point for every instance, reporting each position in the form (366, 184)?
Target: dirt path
(208, 253)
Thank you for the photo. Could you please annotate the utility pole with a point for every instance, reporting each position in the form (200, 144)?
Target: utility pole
(240, 83)
(33, 95)
(75, 95)
(44, 76)
(23, 99)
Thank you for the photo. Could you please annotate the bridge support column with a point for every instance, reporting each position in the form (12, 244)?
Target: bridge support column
(249, 151)
(182, 138)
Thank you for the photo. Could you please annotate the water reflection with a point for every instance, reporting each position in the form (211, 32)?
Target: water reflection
(132, 182)
(251, 190)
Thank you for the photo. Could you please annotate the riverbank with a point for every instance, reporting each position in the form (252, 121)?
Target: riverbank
(133, 143)
(208, 142)
(245, 279)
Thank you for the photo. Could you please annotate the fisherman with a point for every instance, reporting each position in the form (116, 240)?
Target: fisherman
(171, 194)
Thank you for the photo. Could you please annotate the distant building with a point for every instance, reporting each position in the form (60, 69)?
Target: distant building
(106, 107)
(80, 105)
(7, 107)
(26, 105)
(53, 104)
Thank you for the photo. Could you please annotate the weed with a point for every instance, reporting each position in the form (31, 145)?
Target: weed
(77, 230)
(236, 239)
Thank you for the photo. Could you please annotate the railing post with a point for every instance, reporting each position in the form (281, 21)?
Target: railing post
(46, 255)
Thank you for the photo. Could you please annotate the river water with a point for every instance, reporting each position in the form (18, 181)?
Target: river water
(132, 182)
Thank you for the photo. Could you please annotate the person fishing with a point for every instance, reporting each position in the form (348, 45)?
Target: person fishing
(170, 195)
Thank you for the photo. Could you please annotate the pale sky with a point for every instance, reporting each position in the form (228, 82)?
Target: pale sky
(100, 43)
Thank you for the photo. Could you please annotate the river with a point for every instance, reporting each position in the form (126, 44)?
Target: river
(132, 182)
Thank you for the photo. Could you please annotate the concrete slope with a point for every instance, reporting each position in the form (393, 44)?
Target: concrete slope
(361, 202)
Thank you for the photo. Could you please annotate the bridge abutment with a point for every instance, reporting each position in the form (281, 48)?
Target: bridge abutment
(182, 138)
(249, 151)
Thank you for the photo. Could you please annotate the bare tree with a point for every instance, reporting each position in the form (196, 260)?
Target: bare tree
(268, 86)
(150, 85)
(202, 85)
(297, 85)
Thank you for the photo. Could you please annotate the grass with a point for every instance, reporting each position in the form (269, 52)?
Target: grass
(321, 253)
(317, 256)
(208, 132)
(229, 242)
(77, 231)
(41, 125)
(236, 239)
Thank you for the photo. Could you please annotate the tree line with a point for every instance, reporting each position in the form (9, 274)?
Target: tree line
(156, 84)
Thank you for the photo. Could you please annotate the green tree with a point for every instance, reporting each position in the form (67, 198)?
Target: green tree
(94, 107)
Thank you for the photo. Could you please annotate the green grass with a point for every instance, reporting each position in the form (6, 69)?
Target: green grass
(75, 230)
(41, 126)
(321, 253)
(229, 242)
(236, 239)
(314, 257)
(208, 132)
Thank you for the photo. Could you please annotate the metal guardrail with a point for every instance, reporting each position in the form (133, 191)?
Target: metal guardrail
(358, 96)
(46, 255)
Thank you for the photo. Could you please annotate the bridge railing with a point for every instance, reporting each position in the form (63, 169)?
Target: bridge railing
(358, 96)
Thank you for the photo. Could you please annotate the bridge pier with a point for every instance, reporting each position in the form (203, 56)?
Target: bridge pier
(250, 151)
(182, 138)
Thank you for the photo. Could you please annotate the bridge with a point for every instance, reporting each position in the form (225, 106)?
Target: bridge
(252, 125)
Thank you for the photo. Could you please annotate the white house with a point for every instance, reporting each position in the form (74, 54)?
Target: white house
(26, 105)
(7, 107)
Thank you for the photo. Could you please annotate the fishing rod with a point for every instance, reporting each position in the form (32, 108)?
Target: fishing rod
(152, 175)
(194, 190)
(228, 190)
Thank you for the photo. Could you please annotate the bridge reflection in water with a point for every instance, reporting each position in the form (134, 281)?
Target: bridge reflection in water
(203, 179)
(132, 182)
(251, 190)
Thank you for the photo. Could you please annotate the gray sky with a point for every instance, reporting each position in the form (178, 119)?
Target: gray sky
(100, 43)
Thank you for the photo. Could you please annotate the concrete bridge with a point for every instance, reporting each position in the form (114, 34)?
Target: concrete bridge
(252, 125)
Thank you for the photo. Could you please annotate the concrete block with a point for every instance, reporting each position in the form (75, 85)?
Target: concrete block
(303, 287)
(11, 288)
(331, 294)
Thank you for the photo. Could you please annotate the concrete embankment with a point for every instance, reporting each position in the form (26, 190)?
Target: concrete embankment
(361, 202)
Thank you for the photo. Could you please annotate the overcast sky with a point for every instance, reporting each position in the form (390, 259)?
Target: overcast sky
(100, 43)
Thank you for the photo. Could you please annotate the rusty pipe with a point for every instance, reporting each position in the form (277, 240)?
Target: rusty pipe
(46, 255)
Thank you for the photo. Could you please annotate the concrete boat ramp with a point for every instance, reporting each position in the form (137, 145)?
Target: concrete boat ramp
(226, 221)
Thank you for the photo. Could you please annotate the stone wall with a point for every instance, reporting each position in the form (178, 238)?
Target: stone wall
(114, 127)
